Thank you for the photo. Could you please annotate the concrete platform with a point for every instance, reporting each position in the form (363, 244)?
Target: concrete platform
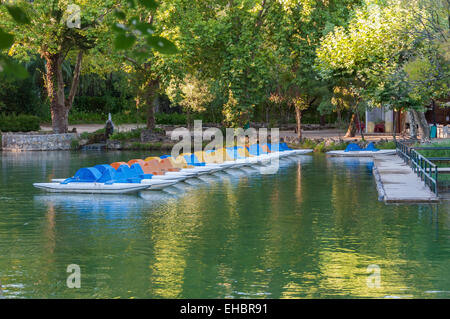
(397, 183)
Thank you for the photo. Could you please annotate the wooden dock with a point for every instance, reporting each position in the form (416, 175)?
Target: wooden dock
(397, 183)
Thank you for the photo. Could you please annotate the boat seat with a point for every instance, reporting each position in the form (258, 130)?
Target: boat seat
(152, 167)
(133, 161)
(116, 165)
(166, 165)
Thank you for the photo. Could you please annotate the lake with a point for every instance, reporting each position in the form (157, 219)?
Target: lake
(313, 230)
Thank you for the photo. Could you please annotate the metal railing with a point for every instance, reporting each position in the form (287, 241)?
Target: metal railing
(423, 167)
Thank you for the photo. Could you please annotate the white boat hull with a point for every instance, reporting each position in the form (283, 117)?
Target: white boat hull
(92, 188)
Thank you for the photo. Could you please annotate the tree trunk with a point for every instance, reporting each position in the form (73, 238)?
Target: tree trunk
(145, 99)
(412, 125)
(424, 129)
(395, 126)
(351, 131)
(55, 92)
(298, 118)
(188, 118)
(359, 124)
(59, 105)
(322, 120)
(150, 114)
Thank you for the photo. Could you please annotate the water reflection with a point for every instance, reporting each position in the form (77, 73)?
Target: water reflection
(311, 230)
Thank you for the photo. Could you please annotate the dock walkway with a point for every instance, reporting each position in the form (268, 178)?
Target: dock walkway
(397, 183)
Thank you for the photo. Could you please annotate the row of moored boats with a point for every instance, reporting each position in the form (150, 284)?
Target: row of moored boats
(156, 173)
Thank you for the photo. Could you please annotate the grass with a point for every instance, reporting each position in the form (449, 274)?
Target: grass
(386, 145)
(443, 179)
(434, 153)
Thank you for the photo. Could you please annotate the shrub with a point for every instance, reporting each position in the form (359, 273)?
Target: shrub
(74, 144)
(307, 143)
(19, 123)
(89, 136)
(320, 148)
(171, 118)
(337, 146)
(100, 104)
(122, 136)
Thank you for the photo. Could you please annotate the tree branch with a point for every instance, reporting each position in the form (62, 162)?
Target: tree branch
(75, 80)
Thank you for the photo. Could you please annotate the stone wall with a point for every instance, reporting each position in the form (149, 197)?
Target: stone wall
(17, 142)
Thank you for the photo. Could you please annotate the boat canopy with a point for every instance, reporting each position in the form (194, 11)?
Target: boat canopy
(85, 174)
(371, 147)
(353, 147)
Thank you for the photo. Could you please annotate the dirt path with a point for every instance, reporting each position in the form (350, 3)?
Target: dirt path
(315, 134)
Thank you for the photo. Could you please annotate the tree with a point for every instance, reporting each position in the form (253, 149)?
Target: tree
(60, 30)
(139, 52)
(373, 53)
(223, 45)
(193, 95)
(296, 27)
(57, 32)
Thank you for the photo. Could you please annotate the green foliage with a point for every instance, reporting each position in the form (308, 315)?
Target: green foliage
(170, 118)
(392, 53)
(74, 144)
(435, 153)
(320, 148)
(19, 123)
(126, 135)
(100, 104)
(6, 40)
(93, 137)
(241, 60)
(337, 146)
(9, 67)
(23, 95)
(308, 143)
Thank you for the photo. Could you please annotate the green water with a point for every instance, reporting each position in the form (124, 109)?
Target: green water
(309, 231)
